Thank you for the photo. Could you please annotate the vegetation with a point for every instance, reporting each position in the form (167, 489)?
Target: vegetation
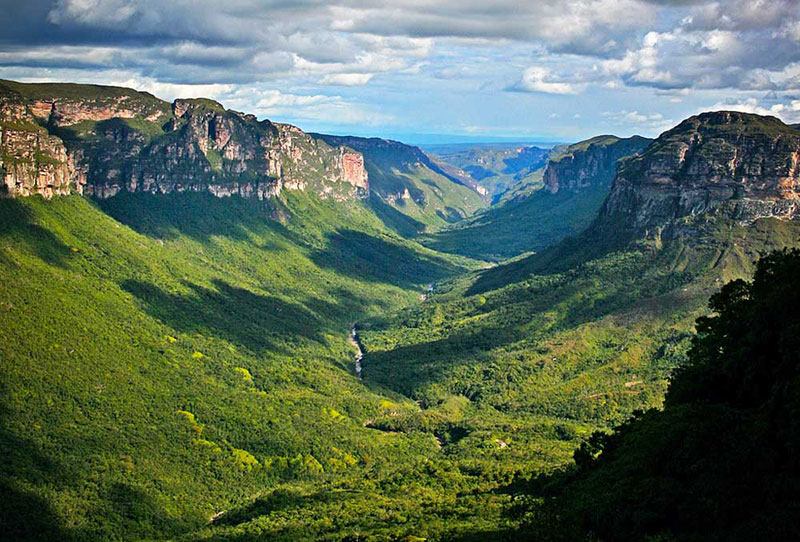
(718, 462)
(126, 345)
(181, 367)
(409, 191)
(528, 223)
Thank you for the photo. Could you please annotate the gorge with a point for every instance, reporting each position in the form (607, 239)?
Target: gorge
(181, 286)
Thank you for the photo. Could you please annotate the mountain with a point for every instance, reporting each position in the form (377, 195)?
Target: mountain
(696, 184)
(590, 163)
(181, 366)
(576, 181)
(497, 168)
(735, 165)
(105, 140)
(719, 462)
(407, 180)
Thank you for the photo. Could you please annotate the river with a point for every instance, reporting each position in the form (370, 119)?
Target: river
(354, 340)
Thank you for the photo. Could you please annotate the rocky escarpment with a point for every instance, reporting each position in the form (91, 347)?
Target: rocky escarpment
(389, 162)
(31, 160)
(105, 140)
(590, 163)
(735, 165)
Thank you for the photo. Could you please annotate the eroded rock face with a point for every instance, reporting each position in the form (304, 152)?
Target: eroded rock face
(737, 165)
(118, 140)
(353, 169)
(31, 160)
(590, 163)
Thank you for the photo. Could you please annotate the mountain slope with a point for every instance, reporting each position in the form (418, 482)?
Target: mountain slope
(719, 462)
(580, 337)
(576, 181)
(406, 180)
(188, 355)
(712, 173)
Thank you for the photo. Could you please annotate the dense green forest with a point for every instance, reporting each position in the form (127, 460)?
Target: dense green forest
(720, 461)
(173, 359)
(167, 358)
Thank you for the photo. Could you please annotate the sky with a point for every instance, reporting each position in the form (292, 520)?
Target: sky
(550, 70)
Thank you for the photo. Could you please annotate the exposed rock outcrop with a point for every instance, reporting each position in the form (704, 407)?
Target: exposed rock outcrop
(736, 165)
(31, 160)
(590, 163)
(114, 140)
(384, 155)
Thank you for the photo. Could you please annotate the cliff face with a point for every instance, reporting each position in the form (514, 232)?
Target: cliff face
(384, 155)
(405, 178)
(590, 163)
(737, 165)
(103, 140)
(31, 160)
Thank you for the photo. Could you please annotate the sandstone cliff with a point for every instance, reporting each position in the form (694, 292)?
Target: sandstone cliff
(590, 163)
(31, 160)
(736, 165)
(408, 180)
(105, 140)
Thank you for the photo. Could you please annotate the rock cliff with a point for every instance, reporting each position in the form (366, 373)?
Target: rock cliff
(590, 163)
(58, 138)
(407, 179)
(31, 160)
(735, 165)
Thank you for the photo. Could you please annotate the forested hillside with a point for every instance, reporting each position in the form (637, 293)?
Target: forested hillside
(719, 462)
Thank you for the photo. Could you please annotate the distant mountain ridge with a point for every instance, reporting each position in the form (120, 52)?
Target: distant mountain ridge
(409, 180)
(576, 181)
(497, 169)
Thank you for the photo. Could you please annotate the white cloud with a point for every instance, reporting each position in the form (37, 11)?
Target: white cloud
(171, 91)
(635, 118)
(347, 79)
(539, 79)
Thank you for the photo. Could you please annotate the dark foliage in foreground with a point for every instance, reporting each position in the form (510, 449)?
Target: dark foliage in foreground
(721, 461)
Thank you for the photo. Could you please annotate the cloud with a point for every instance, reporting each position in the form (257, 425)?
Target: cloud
(739, 44)
(347, 79)
(635, 118)
(628, 53)
(539, 79)
(788, 112)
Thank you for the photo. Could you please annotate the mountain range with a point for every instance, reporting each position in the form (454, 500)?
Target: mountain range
(186, 289)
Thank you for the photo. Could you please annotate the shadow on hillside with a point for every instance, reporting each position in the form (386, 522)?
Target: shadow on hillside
(408, 369)
(196, 215)
(523, 314)
(365, 257)
(255, 321)
(279, 500)
(25, 515)
(17, 222)
(530, 224)
(393, 219)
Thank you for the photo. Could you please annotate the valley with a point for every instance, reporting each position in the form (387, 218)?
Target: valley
(219, 328)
